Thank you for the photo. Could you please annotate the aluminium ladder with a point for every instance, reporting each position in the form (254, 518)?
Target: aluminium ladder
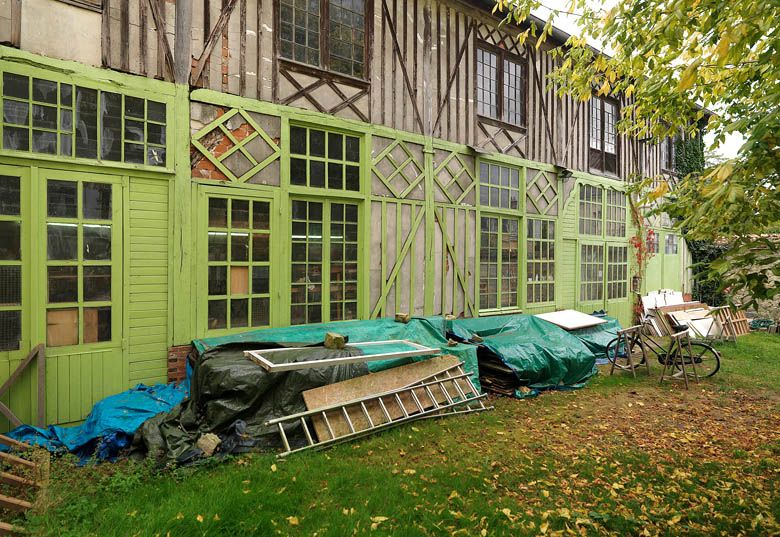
(445, 393)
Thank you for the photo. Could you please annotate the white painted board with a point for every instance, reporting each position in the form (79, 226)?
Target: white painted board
(571, 319)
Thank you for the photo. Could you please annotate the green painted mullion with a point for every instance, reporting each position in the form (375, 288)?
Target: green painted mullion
(383, 230)
(326, 239)
(430, 227)
(399, 258)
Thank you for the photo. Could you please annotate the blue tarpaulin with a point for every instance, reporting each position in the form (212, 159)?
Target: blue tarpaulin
(110, 426)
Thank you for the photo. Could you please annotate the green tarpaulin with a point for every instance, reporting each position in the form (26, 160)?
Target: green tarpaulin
(540, 354)
(596, 338)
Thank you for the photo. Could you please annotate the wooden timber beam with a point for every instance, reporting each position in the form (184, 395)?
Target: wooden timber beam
(208, 47)
(183, 43)
(542, 96)
(162, 37)
(38, 352)
(453, 74)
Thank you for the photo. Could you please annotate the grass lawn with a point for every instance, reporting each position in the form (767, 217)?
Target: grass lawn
(620, 457)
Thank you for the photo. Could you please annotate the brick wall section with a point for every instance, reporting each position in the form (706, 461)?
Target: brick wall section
(177, 362)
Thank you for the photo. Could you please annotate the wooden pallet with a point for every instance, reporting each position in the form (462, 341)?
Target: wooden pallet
(25, 472)
(733, 321)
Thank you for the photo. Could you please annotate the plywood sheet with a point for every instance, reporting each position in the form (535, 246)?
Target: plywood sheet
(571, 319)
(374, 383)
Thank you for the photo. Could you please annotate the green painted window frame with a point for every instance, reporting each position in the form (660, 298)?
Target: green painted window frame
(591, 283)
(116, 301)
(514, 295)
(74, 81)
(325, 302)
(534, 287)
(24, 219)
(591, 199)
(504, 186)
(617, 271)
(251, 195)
(310, 159)
(615, 213)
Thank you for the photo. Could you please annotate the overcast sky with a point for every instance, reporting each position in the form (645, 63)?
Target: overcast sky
(568, 23)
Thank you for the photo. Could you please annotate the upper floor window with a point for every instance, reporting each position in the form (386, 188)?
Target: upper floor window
(324, 159)
(603, 134)
(330, 34)
(501, 90)
(667, 154)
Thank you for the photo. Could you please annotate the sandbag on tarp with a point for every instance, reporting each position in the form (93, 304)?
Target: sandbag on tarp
(540, 354)
(110, 426)
(596, 338)
(227, 389)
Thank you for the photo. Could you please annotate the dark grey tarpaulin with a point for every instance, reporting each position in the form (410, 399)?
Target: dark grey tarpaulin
(232, 397)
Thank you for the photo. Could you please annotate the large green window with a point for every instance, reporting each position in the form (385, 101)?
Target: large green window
(81, 261)
(323, 159)
(499, 263)
(59, 118)
(324, 271)
(239, 262)
(540, 261)
(671, 244)
(591, 272)
(10, 262)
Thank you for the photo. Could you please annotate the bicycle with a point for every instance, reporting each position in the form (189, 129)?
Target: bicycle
(703, 356)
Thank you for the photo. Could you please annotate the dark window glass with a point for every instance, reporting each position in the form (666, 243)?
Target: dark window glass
(16, 86)
(97, 201)
(111, 126)
(62, 241)
(97, 324)
(97, 242)
(10, 330)
(44, 91)
(63, 284)
(97, 283)
(10, 241)
(62, 198)
(10, 285)
(86, 122)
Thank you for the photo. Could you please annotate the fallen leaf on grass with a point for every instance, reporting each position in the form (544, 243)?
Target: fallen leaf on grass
(376, 521)
(293, 520)
(273, 467)
(199, 518)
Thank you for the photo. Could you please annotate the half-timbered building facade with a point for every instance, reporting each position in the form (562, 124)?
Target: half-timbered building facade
(169, 172)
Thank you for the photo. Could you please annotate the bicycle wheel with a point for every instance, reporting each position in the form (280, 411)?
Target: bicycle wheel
(705, 358)
(618, 354)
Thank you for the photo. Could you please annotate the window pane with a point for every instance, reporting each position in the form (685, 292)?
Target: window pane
(260, 247)
(62, 198)
(10, 330)
(261, 214)
(10, 241)
(347, 36)
(217, 280)
(217, 246)
(97, 283)
(239, 312)
(260, 311)
(487, 84)
(97, 201)
(111, 126)
(63, 284)
(217, 314)
(97, 324)
(514, 93)
(239, 214)
(62, 327)
(62, 241)
(239, 247)
(16, 112)
(10, 285)
(97, 242)
(300, 41)
(86, 122)
(218, 212)
(16, 86)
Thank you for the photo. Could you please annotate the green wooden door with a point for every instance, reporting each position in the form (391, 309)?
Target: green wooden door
(78, 313)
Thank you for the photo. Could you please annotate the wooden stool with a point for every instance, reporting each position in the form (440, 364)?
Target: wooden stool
(626, 340)
(681, 342)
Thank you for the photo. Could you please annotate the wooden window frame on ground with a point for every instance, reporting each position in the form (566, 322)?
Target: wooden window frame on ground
(533, 288)
(502, 58)
(507, 296)
(325, 36)
(603, 116)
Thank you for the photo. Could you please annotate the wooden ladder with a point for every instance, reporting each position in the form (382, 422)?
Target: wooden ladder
(20, 474)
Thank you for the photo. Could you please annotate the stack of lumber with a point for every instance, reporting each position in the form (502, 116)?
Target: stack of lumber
(23, 476)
